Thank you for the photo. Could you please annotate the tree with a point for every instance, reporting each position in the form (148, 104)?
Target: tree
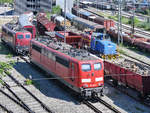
(56, 10)
(6, 1)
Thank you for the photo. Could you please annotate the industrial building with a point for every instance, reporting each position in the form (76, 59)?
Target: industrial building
(35, 6)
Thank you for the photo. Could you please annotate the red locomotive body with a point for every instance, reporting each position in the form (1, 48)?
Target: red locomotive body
(77, 69)
(43, 24)
(25, 21)
(18, 39)
(130, 75)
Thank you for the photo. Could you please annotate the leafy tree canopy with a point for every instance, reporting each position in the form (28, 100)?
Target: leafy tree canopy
(56, 10)
(6, 1)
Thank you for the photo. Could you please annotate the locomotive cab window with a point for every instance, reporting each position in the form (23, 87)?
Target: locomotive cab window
(20, 36)
(86, 67)
(97, 66)
(28, 36)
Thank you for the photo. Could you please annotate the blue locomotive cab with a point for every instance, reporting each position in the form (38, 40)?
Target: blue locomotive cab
(101, 45)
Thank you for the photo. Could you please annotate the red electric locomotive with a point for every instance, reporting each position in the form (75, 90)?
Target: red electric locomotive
(77, 69)
(18, 39)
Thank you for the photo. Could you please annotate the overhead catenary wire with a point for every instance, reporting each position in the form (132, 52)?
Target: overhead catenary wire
(56, 78)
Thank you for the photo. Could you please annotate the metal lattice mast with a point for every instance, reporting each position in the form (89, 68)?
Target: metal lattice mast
(132, 32)
(120, 39)
(65, 21)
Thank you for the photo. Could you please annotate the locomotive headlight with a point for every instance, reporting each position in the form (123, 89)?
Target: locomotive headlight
(99, 84)
(85, 85)
(86, 80)
(99, 79)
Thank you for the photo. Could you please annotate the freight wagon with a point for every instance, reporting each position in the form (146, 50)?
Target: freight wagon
(75, 68)
(44, 25)
(138, 41)
(129, 73)
(71, 38)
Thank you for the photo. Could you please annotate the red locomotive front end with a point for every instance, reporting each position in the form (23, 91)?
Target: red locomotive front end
(91, 76)
(22, 42)
(18, 39)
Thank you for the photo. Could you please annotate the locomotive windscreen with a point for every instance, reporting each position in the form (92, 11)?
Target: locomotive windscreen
(86, 67)
(28, 36)
(30, 30)
(97, 66)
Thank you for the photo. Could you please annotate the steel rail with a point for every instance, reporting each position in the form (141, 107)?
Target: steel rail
(17, 102)
(91, 106)
(108, 105)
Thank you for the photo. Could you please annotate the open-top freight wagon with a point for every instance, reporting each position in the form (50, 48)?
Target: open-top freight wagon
(129, 73)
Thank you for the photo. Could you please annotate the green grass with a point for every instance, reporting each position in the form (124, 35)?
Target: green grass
(9, 55)
(137, 22)
(2, 82)
(29, 82)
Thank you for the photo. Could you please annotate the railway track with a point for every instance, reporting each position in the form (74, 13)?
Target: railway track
(5, 109)
(27, 99)
(11, 105)
(99, 103)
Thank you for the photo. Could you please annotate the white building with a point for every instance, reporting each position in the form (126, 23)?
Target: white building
(69, 4)
(32, 5)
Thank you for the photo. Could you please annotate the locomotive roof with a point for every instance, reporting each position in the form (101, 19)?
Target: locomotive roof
(67, 49)
(90, 24)
(13, 27)
(24, 19)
